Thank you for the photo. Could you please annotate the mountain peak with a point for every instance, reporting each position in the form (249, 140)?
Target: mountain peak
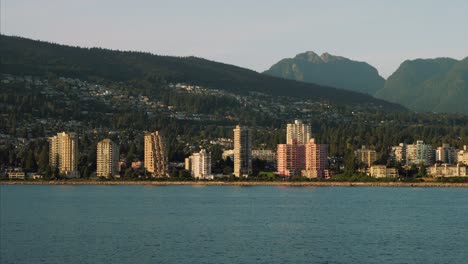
(309, 56)
(329, 70)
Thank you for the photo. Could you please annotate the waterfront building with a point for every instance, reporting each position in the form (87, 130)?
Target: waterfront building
(462, 156)
(63, 154)
(107, 158)
(200, 165)
(419, 153)
(155, 155)
(381, 171)
(242, 151)
(290, 159)
(366, 156)
(16, 174)
(298, 132)
(446, 170)
(316, 160)
(264, 154)
(446, 154)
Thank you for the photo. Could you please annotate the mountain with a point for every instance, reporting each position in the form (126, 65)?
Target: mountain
(329, 70)
(23, 56)
(429, 85)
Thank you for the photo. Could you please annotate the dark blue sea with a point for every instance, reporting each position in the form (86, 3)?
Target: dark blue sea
(220, 224)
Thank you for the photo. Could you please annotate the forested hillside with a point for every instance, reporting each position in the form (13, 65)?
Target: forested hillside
(22, 56)
(429, 85)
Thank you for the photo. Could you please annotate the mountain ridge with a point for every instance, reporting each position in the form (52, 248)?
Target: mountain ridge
(26, 56)
(429, 85)
(329, 70)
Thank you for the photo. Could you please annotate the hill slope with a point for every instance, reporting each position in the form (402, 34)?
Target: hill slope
(434, 85)
(30, 57)
(329, 70)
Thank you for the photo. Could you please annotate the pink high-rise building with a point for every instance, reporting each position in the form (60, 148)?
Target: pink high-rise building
(291, 159)
(315, 160)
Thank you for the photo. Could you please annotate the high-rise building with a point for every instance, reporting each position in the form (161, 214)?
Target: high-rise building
(63, 154)
(242, 151)
(291, 159)
(446, 154)
(297, 132)
(419, 153)
(366, 156)
(155, 155)
(200, 165)
(316, 160)
(107, 162)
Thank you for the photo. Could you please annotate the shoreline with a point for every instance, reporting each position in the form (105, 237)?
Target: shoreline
(245, 183)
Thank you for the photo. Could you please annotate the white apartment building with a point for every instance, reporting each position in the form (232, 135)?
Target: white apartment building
(298, 132)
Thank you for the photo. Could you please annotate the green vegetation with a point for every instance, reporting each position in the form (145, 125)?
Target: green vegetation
(329, 70)
(22, 56)
(431, 85)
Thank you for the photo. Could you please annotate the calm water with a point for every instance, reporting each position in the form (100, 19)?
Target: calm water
(185, 224)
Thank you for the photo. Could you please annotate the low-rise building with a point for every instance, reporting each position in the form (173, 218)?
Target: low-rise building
(264, 154)
(16, 175)
(446, 170)
(381, 171)
(462, 156)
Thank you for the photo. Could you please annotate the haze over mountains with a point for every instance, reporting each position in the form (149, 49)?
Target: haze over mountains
(427, 85)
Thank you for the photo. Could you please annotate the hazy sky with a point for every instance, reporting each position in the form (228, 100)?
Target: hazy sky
(249, 33)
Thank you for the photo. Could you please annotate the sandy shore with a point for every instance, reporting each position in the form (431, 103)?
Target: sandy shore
(218, 183)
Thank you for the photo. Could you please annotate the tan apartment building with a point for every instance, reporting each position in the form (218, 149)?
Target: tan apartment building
(155, 155)
(63, 154)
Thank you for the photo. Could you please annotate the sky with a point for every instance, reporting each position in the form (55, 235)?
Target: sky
(248, 33)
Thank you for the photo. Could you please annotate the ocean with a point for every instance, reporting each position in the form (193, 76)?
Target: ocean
(228, 224)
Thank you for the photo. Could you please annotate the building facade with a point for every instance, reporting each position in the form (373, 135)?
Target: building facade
(419, 153)
(242, 151)
(381, 171)
(155, 155)
(316, 160)
(107, 158)
(264, 154)
(366, 156)
(290, 159)
(63, 154)
(462, 156)
(398, 153)
(446, 154)
(446, 170)
(297, 132)
(200, 165)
